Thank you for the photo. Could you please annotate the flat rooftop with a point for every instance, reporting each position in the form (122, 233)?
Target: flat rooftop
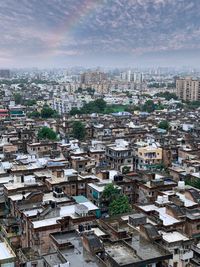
(65, 211)
(145, 249)
(5, 252)
(76, 256)
(52, 259)
(121, 253)
(174, 236)
(167, 219)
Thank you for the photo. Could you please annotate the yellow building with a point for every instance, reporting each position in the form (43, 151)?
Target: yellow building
(148, 157)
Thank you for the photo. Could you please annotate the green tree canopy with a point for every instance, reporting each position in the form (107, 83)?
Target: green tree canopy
(118, 202)
(192, 105)
(119, 205)
(30, 102)
(47, 133)
(167, 95)
(48, 112)
(164, 125)
(74, 111)
(97, 106)
(110, 191)
(18, 98)
(78, 130)
(149, 106)
(34, 114)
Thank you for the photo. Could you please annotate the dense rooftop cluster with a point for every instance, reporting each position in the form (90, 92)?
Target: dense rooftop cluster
(98, 188)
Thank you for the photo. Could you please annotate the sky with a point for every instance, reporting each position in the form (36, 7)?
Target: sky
(109, 33)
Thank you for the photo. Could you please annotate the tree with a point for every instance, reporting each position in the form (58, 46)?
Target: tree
(167, 95)
(48, 112)
(110, 192)
(31, 102)
(100, 104)
(18, 98)
(148, 106)
(164, 125)
(74, 111)
(79, 90)
(117, 202)
(194, 183)
(119, 205)
(47, 133)
(90, 91)
(78, 130)
(146, 95)
(34, 114)
(193, 105)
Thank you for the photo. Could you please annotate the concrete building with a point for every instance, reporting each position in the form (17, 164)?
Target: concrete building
(188, 89)
(120, 155)
(93, 77)
(147, 156)
(179, 245)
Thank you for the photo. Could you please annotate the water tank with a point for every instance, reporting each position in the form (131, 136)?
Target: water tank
(160, 199)
(181, 185)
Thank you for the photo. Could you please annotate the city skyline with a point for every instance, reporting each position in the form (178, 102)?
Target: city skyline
(108, 33)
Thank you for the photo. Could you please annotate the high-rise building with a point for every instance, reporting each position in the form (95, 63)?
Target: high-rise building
(138, 77)
(5, 74)
(93, 77)
(129, 76)
(188, 89)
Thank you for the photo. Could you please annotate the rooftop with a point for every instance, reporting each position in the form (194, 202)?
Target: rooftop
(174, 236)
(121, 253)
(75, 255)
(167, 219)
(5, 252)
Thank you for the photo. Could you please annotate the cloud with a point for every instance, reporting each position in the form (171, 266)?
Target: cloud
(95, 28)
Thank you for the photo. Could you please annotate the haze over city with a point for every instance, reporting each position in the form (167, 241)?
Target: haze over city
(60, 33)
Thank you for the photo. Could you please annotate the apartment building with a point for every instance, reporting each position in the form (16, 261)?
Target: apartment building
(188, 89)
(147, 156)
(120, 155)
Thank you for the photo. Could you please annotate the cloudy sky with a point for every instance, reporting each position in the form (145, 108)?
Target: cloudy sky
(53, 33)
